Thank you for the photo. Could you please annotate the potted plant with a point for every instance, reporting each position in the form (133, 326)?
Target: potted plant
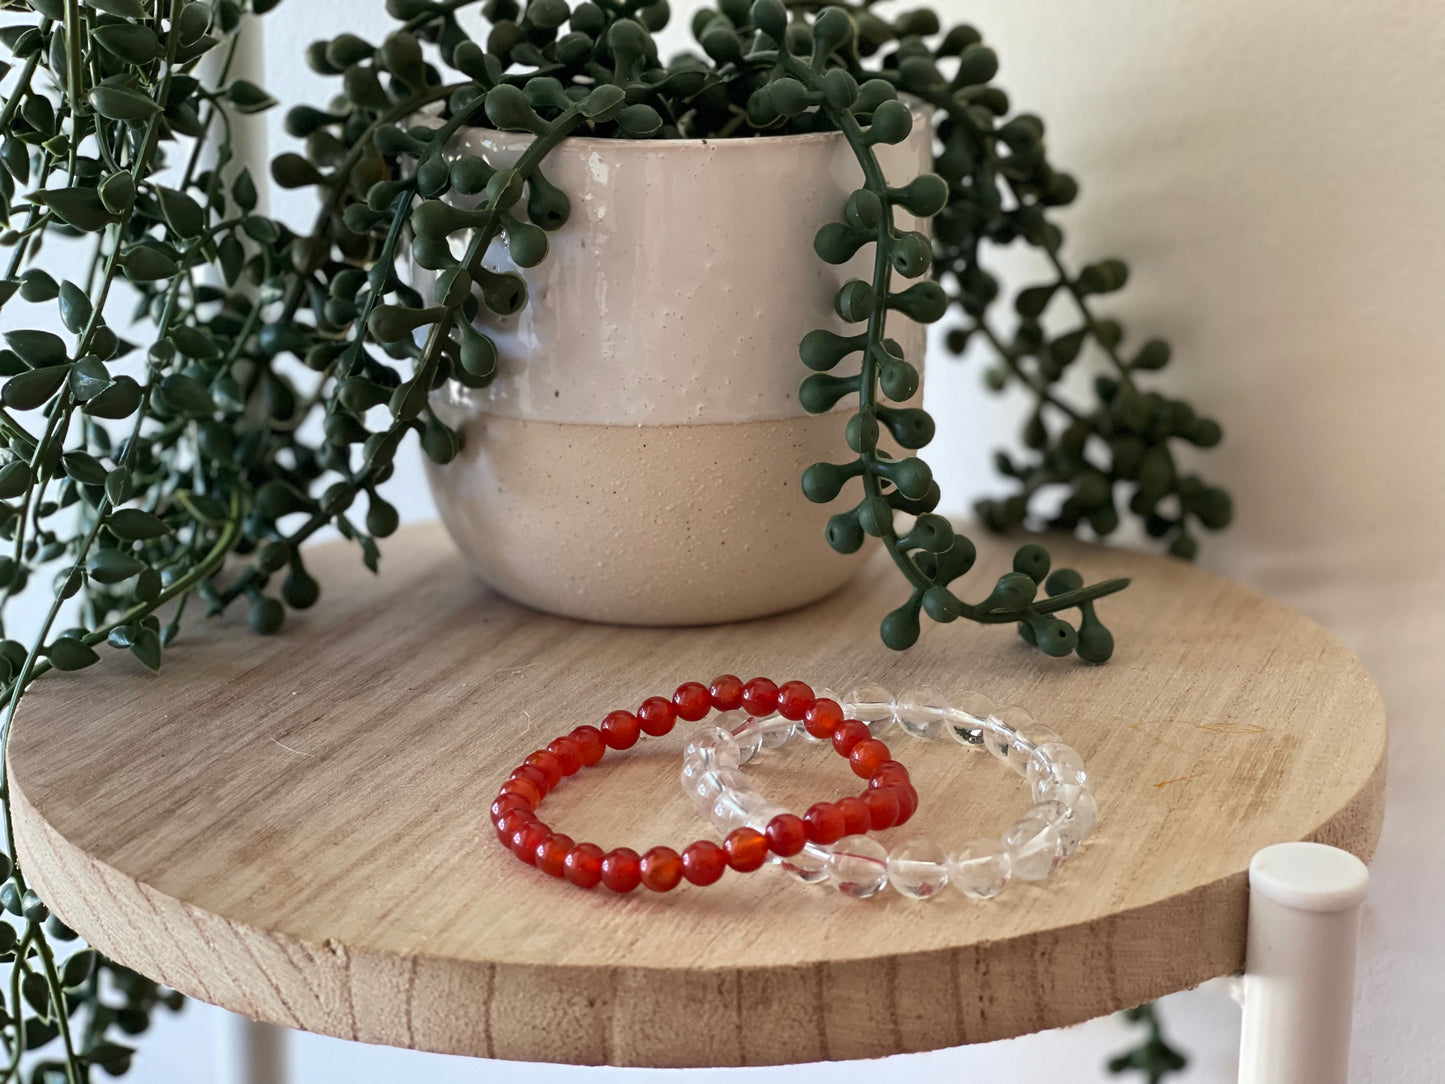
(566, 76)
(269, 377)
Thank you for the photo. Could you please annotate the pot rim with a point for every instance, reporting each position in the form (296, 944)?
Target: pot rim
(917, 106)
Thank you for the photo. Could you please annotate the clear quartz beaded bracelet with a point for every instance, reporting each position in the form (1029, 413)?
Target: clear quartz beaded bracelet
(1062, 816)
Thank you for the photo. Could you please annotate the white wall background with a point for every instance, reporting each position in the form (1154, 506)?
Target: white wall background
(1273, 173)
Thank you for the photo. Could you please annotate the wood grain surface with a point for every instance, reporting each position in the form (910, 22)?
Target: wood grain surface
(296, 828)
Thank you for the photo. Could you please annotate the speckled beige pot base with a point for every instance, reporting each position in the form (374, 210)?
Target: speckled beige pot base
(712, 512)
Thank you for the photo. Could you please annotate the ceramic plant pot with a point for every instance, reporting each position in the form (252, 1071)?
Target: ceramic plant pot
(637, 458)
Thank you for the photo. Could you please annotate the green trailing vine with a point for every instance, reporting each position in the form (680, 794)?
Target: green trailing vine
(180, 417)
(1154, 1059)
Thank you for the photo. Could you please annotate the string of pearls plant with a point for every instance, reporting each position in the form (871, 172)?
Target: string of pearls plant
(212, 385)
(552, 70)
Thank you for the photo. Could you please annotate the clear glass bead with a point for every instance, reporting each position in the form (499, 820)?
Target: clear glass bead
(1053, 763)
(820, 692)
(1025, 742)
(1068, 793)
(1073, 823)
(1033, 846)
(1001, 727)
(715, 746)
(921, 711)
(700, 783)
(810, 865)
(775, 730)
(918, 869)
(981, 870)
(967, 718)
(858, 866)
(872, 704)
(1083, 811)
(734, 801)
(744, 730)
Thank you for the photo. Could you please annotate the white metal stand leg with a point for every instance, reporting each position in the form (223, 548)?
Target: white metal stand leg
(249, 1052)
(1299, 976)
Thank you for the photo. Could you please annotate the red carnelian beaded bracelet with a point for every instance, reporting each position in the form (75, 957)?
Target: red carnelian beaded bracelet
(890, 798)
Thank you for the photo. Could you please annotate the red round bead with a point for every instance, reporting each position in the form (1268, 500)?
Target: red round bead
(509, 823)
(527, 838)
(589, 744)
(889, 773)
(786, 834)
(825, 823)
(507, 803)
(691, 701)
(882, 806)
(661, 869)
(620, 730)
(849, 733)
(747, 849)
(726, 693)
(622, 869)
(552, 854)
(760, 697)
(524, 788)
(856, 818)
(546, 763)
(907, 801)
(794, 699)
(536, 776)
(824, 717)
(703, 862)
(656, 716)
(868, 756)
(568, 754)
(584, 865)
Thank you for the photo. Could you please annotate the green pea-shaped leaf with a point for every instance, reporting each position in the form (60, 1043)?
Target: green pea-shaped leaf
(30, 390)
(14, 479)
(134, 43)
(639, 121)
(144, 263)
(840, 90)
(247, 97)
(891, 123)
(122, 103)
(112, 566)
(88, 378)
(478, 356)
(136, 525)
(117, 191)
(837, 243)
(75, 307)
(832, 30)
(182, 213)
(120, 400)
(854, 301)
(68, 653)
(187, 395)
(78, 207)
(84, 468)
(604, 102)
(37, 285)
(37, 348)
(507, 108)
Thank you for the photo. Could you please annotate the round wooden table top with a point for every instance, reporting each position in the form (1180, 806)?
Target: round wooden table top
(296, 827)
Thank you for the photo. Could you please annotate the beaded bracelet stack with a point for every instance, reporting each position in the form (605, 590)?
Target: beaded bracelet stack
(1063, 813)
(829, 841)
